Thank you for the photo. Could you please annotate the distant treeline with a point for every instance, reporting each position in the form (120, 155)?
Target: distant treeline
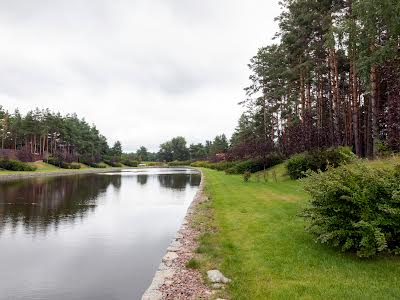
(177, 149)
(331, 79)
(41, 134)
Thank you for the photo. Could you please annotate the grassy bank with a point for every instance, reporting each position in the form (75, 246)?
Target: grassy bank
(42, 167)
(255, 236)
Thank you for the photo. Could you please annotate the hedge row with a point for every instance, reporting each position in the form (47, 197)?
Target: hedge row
(240, 167)
(113, 163)
(15, 165)
(97, 165)
(316, 160)
(62, 164)
(130, 163)
(180, 163)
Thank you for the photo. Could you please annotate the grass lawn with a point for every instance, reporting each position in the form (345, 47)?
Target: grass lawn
(48, 168)
(256, 238)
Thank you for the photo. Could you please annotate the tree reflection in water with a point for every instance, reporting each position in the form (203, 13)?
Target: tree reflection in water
(142, 179)
(179, 181)
(39, 203)
(42, 203)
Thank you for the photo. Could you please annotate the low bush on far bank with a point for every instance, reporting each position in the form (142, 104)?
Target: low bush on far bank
(16, 165)
(62, 164)
(356, 208)
(315, 160)
(97, 165)
(180, 163)
(130, 163)
(112, 163)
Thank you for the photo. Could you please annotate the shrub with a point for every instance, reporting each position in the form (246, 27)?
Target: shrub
(355, 208)
(239, 167)
(130, 163)
(199, 164)
(56, 161)
(297, 165)
(71, 165)
(15, 165)
(316, 160)
(252, 166)
(246, 176)
(113, 163)
(97, 165)
(179, 163)
(154, 164)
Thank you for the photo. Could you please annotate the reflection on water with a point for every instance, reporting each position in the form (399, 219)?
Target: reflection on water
(36, 204)
(89, 236)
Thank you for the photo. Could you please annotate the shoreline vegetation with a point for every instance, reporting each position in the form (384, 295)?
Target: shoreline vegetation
(43, 169)
(253, 232)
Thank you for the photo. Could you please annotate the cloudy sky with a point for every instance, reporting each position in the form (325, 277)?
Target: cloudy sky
(142, 70)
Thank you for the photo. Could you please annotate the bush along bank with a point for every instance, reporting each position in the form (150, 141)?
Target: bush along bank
(62, 164)
(356, 208)
(15, 165)
(240, 167)
(318, 160)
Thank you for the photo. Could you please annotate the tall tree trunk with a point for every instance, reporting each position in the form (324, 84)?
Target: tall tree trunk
(374, 110)
(336, 96)
(355, 108)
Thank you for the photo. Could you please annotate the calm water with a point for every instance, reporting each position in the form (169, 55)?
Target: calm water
(97, 236)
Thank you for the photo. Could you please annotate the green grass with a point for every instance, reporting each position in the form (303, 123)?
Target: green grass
(255, 237)
(47, 168)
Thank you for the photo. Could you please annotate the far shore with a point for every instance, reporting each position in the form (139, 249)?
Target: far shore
(15, 175)
(21, 175)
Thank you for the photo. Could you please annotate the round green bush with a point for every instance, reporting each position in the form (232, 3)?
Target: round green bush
(355, 208)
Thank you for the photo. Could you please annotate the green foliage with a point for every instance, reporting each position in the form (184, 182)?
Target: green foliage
(356, 208)
(97, 165)
(200, 164)
(55, 161)
(177, 163)
(246, 176)
(130, 163)
(113, 163)
(240, 167)
(316, 160)
(72, 166)
(174, 149)
(15, 165)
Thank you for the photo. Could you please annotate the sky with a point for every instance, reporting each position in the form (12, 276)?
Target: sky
(143, 71)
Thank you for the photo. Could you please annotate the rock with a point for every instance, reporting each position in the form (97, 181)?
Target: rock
(178, 236)
(216, 276)
(169, 258)
(174, 246)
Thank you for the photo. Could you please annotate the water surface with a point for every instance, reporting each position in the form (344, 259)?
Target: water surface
(95, 236)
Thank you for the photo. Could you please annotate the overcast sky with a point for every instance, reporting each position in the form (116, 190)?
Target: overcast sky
(143, 71)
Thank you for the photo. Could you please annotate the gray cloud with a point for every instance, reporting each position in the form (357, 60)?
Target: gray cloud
(142, 71)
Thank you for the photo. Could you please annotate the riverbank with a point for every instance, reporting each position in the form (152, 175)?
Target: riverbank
(256, 237)
(15, 175)
(174, 279)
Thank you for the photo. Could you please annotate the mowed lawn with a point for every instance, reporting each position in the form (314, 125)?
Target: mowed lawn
(256, 238)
